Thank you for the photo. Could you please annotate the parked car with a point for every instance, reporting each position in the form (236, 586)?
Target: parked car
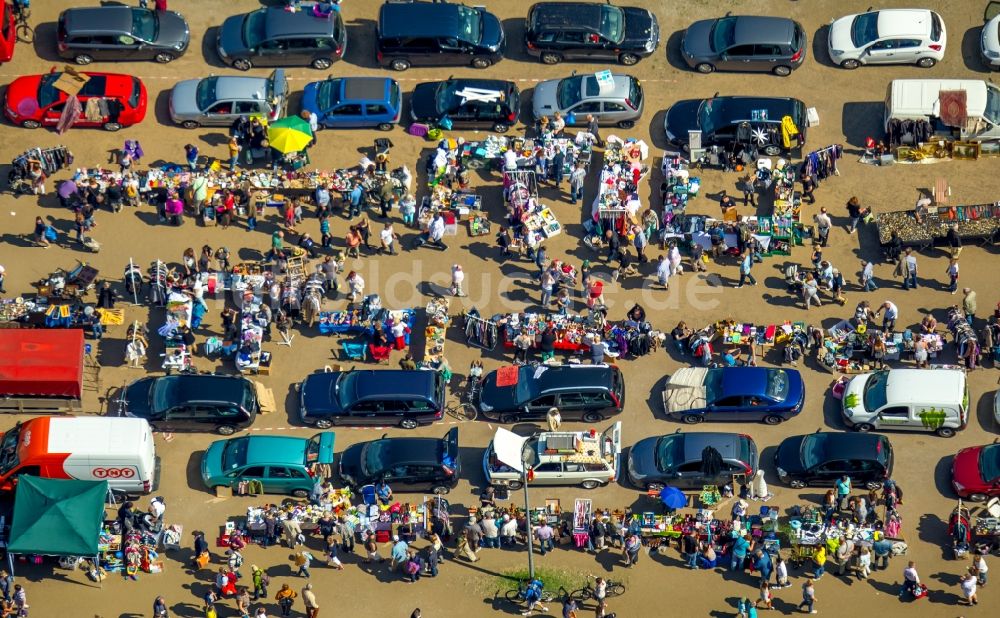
(562, 458)
(823, 457)
(467, 103)
(989, 43)
(217, 101)
(8, 28)
(351, 102)
(437, 34)
(677, 460)
(274, 37)
(408, 464)
(119, 100)
(742, 394)
(581, 392)
(281, 464)
(745, 43)
(368, 397)
(721, 121)
(119, 32)
(975, 472)
(192, 402)
(890, 36)
(576, 96)
(595, 31)
(908, 399)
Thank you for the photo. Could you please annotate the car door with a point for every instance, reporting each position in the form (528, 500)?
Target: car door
(828, 472)
(538, 407)
(896, 417)
(345, 115)
(738, 58)
(180, 418)
(768, 56)
(250, 473)
(451, 51)
(572, 405)
(220, 114)
(726, 409)
(301, 50)
(278, 480)
(612, 112)
(886, 51)
(581, 109)
(400, 477)
(127, 47)
(393, 411)
(248, 108)
(271, 53)
(365, 413)
(687, 475)
(549, 473)
(572, 44)
(420, 51)
(375, 113)
(756, 408)
(596, 47)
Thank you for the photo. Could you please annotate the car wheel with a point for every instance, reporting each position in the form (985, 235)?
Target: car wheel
(30, 124)
(772, 150)
(242, 64)
(190, 124)
(111, 126)
(515, 485)
(850, 65)
(408, 423)
(772, 420)
(945, 432)
(321, 64)
(628, 59)
(591, 484)
(693, 419)
(654, 486)
(324, 423)
(399, 64)
(225, 430)
(626, 124)
(782, 71)
(481, 63)
(797, 484)
(592, 417)
(83, 59)
(926, 63)
(500, 127)
(873, 485)
(300, 493)
(508, 419)
(977, 498)
(550, 58)
(163, 57)
(705, 67)
(385, 126)
(863, 428)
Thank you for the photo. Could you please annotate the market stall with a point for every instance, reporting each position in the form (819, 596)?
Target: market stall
(176, 354)
(574, 334)
(617, 202)
(434, 333)
(974, 223)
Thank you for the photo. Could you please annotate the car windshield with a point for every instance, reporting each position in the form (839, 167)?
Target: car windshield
(470, 24)
(721, 36)
(327, 93)
(373, 457)
(234, 454)
(253, 28)
(530, 453)
(874, 395)
(669, 452)
(713, 385)
(813, 450)
(343, 389)
(777, 384)
(164, 393)
(709, 116)
(992, 104)
(568, 91)
(445, 99)
(864, 30)
(989, 462)
(635, 93)
(144, 24)
(612, 23)
(8, 449)
(205, 93)
(47, 93)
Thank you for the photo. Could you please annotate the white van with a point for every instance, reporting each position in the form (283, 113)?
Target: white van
(910, 399)
(118, 450)
(919, 99)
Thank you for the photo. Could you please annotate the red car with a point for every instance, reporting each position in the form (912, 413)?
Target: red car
(7, 36)
(975, 472)
(33, 101)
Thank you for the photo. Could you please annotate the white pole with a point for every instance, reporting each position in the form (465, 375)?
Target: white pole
(135, 293)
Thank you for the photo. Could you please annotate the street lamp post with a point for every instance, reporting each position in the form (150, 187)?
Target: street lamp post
(527, 518)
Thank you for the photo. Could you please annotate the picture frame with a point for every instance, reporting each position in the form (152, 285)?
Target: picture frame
(967, 151)
(989, 149)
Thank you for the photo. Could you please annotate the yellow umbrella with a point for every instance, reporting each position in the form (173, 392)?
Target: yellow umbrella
(290, 134)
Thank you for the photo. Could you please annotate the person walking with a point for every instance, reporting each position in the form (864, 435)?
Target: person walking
(577, 178)
(808, 597)
(889, 312)
(663, 270)
(968, 584)
(738, 551)
(302, 560)
(810, 291)
(864, 563)
(160, 608)
(969, 304)
(746, 263)
(544, 533)
(855, 213)
(20, 599)
(554, 419)
(457, 280)
(674, 257)
(908, 269)
(630, 550)
(285, 598)
(594, 129)
(191, 155)
(823, 224)
(6, 585)
(309, 600)
(952, 272)
(868, 276)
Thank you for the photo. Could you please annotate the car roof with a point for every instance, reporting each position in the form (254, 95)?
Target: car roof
(841, 445)
(568, 376)
(740, 108)
(751, 29)
(505, 88)
(562, 15)
(904, 22)
(364, 88)
(743, 380)
(418, 19)
(621, 90)
(240, 87)
(98, 19)
(392, 384)
(279, 22)
(275, 450)
(728, 444)
(919, 386)
(198, 387)
(412, 450)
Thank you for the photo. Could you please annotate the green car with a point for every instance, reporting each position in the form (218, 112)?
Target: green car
(281, 464)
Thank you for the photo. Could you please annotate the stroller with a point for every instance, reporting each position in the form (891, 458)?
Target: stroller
(793, 279)
(960, 531)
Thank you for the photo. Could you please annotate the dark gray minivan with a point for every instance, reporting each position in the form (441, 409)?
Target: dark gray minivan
(118, 32)
(437, 34)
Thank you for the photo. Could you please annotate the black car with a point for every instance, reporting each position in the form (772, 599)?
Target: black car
(727, 121)
(408, 464)
(745, 43)
(118, 32)
(679, 460)
(274, 37)
(437, 34)
(581, 392)
(821, 458)
(467, 103)
(367, 397)
(557, 31)
(192, 402)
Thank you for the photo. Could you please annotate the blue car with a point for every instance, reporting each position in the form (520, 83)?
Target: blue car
(697, 394)
(354, 102)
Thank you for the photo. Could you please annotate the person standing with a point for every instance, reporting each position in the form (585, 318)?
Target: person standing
(746, 263)
(160, 608)
(868, 276)
(630, 550)
(594, 129)
(889, 312)
(191, 155)
(554, 419)
(309, 599)
(663, 270)
(546, 285)
(285, 598)
(808, 186)
(577, 179)
(234, 152)
(854, 212)
(911, 579)
(689, 549)
(823, 224)
(968, 585)
(808, 597)
(843, 486)
(954, 240)
(6, 585)
(969, 304)
(457, 280)
(20, 600)
(810, 291)
(387, 238)
(952, 272)
(544, 534)
(909, 270)
(674, 257)
(293, 532)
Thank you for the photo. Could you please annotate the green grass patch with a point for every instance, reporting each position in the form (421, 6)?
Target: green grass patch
(552, 578)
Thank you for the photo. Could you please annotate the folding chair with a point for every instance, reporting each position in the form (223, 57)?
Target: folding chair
(353, 351)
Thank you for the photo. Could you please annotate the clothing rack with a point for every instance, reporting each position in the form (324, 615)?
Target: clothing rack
(822, 163)
(480, 332)
(52, 159)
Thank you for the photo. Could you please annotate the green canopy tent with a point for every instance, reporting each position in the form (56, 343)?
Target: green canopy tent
(54, 517)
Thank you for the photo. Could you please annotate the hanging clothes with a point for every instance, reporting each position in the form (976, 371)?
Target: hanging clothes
(70, 114)
(92, 110)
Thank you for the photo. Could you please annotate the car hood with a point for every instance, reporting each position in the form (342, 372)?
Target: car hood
(309, 102)
(680, 118)
(423, 101)
(839, 36)
(492, 35)
(231, 36)
(350, 464)
(990, 39)
(640, 28)
(965, 469)
(137, 398)
(545, 98)
(23, 89)
(173, 30)
(497, 397)
(642, 459)
(184, 99)
(697, 39)
(211, 462)
(317, 395)
(788, 457)
(853, 400)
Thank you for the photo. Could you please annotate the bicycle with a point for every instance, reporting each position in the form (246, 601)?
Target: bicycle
(23, 30)
(516, 595)
(466, 409)
(614, 589)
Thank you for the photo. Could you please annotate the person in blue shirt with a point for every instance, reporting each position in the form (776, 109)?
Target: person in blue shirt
(400, 552)
(533, 596)
(738, 552)
(383, 492)
(355, 197)
(843, 491)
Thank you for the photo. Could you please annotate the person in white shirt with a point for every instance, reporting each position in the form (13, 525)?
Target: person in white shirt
(979, 564)
(910, 578)
(889, 312)
(968, 584)
(510, 160)
(457, 279)
(436, 231)
(868, 277)
(387, 236)
(663, 270)
(157, 506)
(357, 286)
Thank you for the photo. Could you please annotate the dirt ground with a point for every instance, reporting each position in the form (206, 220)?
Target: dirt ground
(850, 108)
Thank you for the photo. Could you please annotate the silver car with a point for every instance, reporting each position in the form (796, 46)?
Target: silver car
(617, 101)
(217, 101)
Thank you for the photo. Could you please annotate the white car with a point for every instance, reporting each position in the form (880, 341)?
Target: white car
(989, 43)
(892, 36)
